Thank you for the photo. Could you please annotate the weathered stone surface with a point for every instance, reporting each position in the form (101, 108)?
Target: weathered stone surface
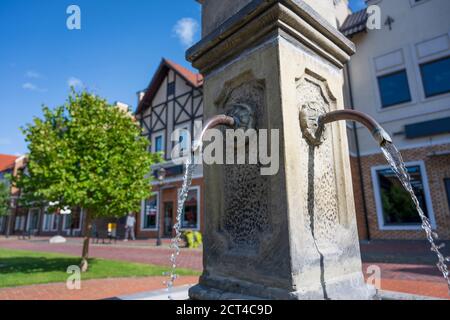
(291, 235)
(216, 12)
(261, 20)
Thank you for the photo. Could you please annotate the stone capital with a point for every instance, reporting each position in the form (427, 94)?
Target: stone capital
(261, 20)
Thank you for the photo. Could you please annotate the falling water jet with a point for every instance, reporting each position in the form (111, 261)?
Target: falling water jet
(314, 134)
(187, 181)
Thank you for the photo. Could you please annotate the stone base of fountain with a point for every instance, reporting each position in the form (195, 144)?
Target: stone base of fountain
(348, 288)
(182, 293)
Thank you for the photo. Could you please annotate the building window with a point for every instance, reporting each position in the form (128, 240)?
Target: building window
(436, 77)
(149, 216)
(56, 222)
(395, 207)
(417, 2)
(158, 144)
(447, 188)
(171, 88)
(191, 212)
(33, 219)
(394, 89)
(72, 221)
(50, 222)
(2, 222)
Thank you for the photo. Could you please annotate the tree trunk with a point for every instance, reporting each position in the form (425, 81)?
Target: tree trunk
(87, 236)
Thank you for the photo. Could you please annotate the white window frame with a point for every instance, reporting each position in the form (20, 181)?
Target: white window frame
(52, 217)
(379, 205)
(2, 219)
(141, 225)
(418, 61)
(19, 223)
(405, 66)
(80, 225)
(157, 135)
(196, 188)
(32, 210)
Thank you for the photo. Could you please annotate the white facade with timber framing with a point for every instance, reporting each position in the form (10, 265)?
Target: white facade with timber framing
(400, 75)
(168, 111)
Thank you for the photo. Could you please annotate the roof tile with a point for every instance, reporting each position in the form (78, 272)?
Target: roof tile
(6, 162)
(356, 22)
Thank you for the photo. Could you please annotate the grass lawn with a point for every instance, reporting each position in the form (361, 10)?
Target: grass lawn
(19, 268)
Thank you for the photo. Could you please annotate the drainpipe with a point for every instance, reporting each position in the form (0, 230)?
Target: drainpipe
(358, 154)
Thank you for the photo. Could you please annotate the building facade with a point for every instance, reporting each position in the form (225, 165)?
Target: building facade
(400, 75)
(38, 221)
(170, 112)
(7, 163)
(25, 221)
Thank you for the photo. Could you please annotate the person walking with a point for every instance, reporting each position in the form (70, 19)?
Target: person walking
(129, 227)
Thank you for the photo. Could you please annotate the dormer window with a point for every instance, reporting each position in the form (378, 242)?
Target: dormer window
(171, 88)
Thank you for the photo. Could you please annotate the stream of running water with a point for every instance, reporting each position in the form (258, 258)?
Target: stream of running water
(397, 164)
(395, 160)
(175, 243)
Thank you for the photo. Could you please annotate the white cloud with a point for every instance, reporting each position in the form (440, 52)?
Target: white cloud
(33, 74)
(186, 29)
(32, 87)
(75, 83)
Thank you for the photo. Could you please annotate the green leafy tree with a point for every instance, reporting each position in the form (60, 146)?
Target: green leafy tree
(398, 206)
(88, 154)
(4, 198)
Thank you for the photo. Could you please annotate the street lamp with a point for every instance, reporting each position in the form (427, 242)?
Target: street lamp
(161, 176)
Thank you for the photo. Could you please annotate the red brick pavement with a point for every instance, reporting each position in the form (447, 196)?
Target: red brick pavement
(413, 279)
(90, 289)
(421, 279)
(191, 259)
(423, 288)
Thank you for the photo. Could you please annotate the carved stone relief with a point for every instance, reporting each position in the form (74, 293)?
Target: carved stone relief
(321, 201)
(246, 216)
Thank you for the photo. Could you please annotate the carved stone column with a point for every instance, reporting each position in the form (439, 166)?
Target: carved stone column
(291, 235)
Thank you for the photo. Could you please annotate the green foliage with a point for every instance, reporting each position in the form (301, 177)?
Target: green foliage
(90, 154)
(397, 205)
(4, 198)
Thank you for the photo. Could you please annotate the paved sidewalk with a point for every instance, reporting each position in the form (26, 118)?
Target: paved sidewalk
(406, 266)
(123, 251)
(91, 289)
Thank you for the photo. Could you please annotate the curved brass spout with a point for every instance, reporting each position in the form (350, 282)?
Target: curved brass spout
(215, 121)
(378, 133)
(218, 120)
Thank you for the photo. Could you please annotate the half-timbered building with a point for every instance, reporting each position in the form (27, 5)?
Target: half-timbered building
(169, 110)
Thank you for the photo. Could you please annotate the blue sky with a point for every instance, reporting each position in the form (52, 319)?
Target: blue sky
(115, 53)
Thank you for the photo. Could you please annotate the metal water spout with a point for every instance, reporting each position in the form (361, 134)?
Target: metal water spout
(313, 123)
(378, 133)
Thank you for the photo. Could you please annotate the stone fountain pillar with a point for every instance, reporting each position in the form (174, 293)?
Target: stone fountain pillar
(291, 235)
